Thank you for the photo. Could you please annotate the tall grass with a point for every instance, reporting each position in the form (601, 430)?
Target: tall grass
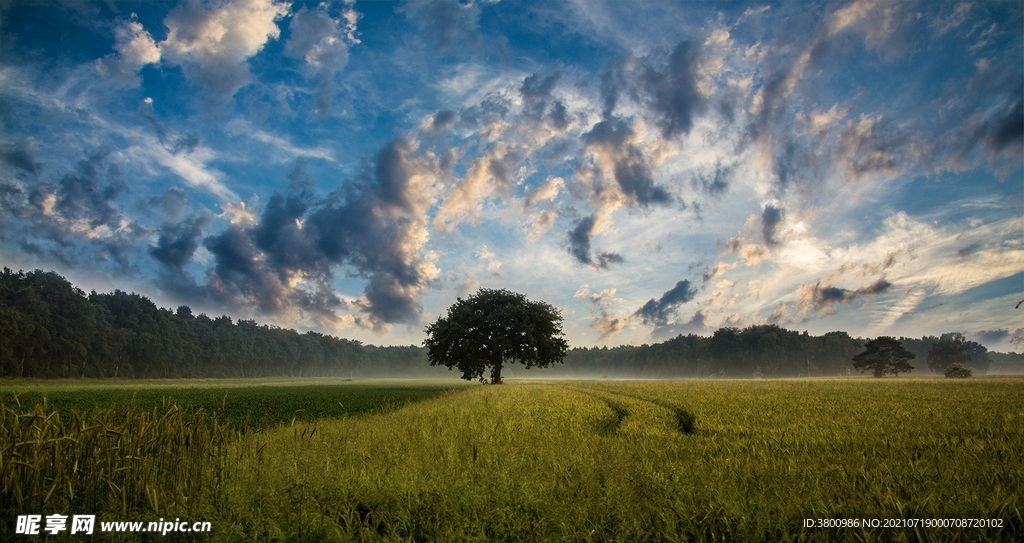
(125, 461)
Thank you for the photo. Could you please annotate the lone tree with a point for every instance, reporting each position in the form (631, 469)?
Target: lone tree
(493, 327)
(884, 355)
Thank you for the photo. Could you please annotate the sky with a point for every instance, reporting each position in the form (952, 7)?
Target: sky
(648, 168)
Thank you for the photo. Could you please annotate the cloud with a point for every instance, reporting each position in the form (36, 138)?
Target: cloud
(178, 241)
(673, 94)
(579, 245)
(716, 184)
(191, 166)
(991, 337)
(74, 220)
(824, 297)
(613, 143)
(442, 119)
(607, 326)
(282, 261)
(445, 23)
(213, 42)
(546, 192)
(579, 240)
(319, 39)
(489, 176)
(657, 311)
(135, 49)
(84, 199)
(770, 220)
(536, 92)
(21, 156)
(751, 253)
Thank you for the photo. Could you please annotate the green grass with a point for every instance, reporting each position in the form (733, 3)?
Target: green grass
(246, 404)
(598, 461)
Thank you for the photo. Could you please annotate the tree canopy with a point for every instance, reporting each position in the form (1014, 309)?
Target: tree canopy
(884, 355)
(494, 327)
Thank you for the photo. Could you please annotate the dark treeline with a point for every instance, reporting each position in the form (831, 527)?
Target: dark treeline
(755, 351)
(766, 351)
(49, 328)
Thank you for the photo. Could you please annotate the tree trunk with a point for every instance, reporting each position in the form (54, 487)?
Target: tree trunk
(496, 373)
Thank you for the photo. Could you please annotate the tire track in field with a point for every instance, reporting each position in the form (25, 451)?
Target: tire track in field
(684, 421)
(619, 412)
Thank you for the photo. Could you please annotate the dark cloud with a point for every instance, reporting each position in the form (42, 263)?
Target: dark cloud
(239, 277)
(605, 259)
(20, 155)
(13, 202)
(998, 129)
(579, 240)
(536, 93)
(443, 119)
(1008, 129)
(878, 287)
(658, 311)
(494, 107)
(369, 225)
(823, 296)
(613, 82)
(991, 337)
(635, 178)
(76, 220)
(537, 88)
(81, 200)
(672, 93)
(177, 242)
(716, 183)
(772, 107)
(171, 204)
(630, 167)
(392, 173)
(770, 220)
(579, 245)
(558, 115)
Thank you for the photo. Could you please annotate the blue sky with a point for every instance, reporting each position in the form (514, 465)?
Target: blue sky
(650, 168)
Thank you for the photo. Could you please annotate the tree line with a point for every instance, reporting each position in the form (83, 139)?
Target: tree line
(772, 351)
(49, 328)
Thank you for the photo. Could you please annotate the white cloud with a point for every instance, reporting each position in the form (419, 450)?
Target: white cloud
(135, 49)
(212, 42)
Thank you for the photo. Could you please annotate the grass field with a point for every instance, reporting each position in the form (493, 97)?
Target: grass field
(722, 460)
(245, 403)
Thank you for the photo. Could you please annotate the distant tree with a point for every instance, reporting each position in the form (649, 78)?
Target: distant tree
(884, 355)
(954, 348)
(491, 328)
(958, 371)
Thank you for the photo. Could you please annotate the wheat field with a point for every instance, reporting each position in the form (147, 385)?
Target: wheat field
(700, 460)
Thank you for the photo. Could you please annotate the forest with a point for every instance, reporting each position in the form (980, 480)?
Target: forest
(50, 328)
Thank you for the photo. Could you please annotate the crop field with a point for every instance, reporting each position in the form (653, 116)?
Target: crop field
(246, 404)
(704, 460)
